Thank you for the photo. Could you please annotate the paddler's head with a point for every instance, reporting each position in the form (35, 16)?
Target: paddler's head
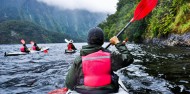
(35, 44)
(95, 36)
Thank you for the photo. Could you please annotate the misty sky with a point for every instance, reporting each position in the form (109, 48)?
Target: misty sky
(106, 6)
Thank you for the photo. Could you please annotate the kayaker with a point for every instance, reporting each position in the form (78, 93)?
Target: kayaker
(70, 46)
(35, 47)
(24, 48)
(92, 71)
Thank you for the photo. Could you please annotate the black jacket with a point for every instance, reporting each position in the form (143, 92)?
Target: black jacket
(119, 59)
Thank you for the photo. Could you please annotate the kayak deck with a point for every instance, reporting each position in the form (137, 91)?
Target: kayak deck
(15, 53)
(63, 91)
(70, 51)
(121, 91)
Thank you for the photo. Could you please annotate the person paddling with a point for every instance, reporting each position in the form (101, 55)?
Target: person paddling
(35, 46)
(70, 46)
(92, 71)
(24, 48)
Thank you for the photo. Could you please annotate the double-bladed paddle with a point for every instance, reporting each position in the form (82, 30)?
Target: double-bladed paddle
(22, 41)
(32, 42)
(67, 41)
(142, 9)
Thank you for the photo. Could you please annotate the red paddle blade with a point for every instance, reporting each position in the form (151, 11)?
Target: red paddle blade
(45, 51)
(144, 8)
(59, 91)
(22, 41)
(126, 40)
(32, 42)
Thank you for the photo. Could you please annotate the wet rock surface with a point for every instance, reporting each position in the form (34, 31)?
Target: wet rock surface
(172, 40)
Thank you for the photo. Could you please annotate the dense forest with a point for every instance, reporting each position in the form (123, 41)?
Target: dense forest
(169, 16)
(13, 31)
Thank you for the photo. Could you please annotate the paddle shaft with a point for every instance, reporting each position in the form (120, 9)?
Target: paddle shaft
(127, 25)
(142, 9)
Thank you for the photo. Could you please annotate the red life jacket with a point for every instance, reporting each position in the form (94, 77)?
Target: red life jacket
(33, 47)
(69, 46)
(22, 49)
(96, 68)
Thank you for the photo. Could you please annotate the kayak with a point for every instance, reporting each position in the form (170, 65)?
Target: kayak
(42, 50)
(25, 53)
(70, 51)
(14, 53)
(122, 90)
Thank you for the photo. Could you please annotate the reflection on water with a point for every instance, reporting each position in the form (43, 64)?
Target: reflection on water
(164, 69)
(156, 70)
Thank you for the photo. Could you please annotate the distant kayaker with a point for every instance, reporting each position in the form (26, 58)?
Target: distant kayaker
(24, 48)
(70, 46)
(92, 71)
(35, 46)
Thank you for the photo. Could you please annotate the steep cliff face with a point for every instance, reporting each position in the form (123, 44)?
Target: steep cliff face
(71, 22)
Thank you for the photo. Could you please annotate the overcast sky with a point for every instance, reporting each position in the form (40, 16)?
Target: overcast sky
(106, 6)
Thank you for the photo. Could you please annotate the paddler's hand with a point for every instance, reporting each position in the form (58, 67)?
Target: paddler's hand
(125, 41)
(114, 40)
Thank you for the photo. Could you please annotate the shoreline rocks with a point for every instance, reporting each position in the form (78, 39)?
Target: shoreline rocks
(172, 40)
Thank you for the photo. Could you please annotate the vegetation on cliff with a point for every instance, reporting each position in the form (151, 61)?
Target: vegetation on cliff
(13, 31)
(170, 16)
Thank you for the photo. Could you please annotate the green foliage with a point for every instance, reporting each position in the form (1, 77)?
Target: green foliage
(182, 20)
(170, 16)
(115, 22)
(13, 31)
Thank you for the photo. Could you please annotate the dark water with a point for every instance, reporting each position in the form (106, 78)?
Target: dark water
(156, 70)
